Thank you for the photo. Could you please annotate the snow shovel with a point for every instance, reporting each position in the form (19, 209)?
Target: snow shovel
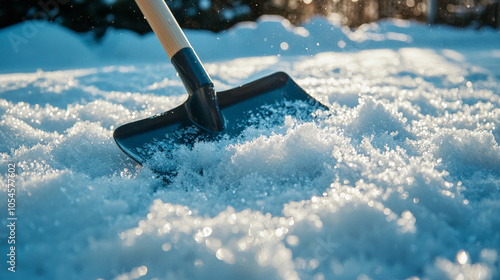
(206, 114)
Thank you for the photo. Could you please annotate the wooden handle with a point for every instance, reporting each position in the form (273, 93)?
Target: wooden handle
(164, 25)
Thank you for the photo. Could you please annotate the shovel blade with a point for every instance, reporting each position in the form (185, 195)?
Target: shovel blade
(141, 139)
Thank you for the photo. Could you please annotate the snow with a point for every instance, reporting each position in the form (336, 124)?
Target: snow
(399, 180)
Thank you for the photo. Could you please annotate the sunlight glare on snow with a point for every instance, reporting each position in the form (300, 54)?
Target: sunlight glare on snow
(399, 179)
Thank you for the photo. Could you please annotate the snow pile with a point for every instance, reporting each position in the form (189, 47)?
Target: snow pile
(37, 44)
(34, 45)
(399, 180)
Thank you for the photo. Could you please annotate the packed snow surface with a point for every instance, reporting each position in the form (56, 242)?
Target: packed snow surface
(400, 179)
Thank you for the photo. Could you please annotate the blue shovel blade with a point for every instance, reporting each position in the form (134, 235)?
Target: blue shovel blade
(143, 138)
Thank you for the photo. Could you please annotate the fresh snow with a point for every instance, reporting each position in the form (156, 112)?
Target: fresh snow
(399, 180)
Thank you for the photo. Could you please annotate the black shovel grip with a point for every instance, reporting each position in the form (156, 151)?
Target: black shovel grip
(202, 106)
(190, 69)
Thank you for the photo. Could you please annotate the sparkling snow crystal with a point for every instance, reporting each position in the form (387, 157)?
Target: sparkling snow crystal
(400, 179)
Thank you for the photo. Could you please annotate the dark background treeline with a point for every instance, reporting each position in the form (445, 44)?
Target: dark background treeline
(217, 15)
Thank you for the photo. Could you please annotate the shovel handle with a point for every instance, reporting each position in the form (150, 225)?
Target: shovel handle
(202, 106)
(164, 25)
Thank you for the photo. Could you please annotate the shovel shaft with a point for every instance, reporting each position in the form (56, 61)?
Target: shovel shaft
(202, 106)
(164, 25)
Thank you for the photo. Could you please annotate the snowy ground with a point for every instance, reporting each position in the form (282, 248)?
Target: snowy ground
(400, 180)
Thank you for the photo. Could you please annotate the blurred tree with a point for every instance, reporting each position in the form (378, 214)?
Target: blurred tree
(217, 15)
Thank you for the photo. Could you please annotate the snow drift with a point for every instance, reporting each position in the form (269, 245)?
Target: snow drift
(399, 180)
